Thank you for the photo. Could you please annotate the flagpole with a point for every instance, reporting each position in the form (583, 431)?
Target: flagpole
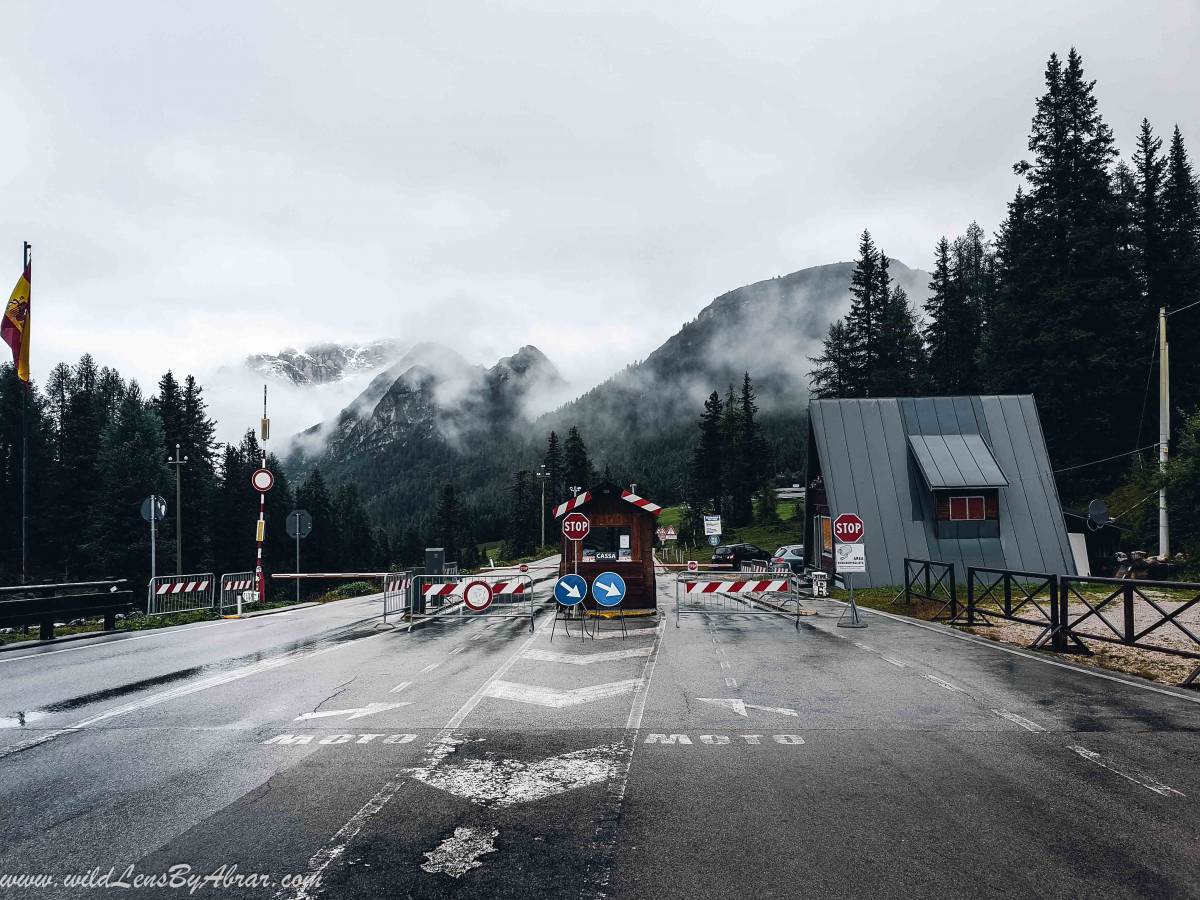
(25, 260)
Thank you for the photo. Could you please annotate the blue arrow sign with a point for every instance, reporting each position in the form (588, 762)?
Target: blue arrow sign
(570, 590)
(608, 589)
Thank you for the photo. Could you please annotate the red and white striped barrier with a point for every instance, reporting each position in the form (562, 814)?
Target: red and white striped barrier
(574, 503)
(393, 585)
(455, 589)
(242, 584)
(182, 587)
(641, 502)
(736, 587)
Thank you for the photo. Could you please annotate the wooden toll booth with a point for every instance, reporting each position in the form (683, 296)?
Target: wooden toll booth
(621, 540)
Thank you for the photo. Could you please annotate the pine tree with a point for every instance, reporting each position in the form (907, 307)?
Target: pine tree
(747, 454)
(313, 495)
(553, 461)
(959, 292)
(868, 286)
(356, 540)
(577, 468)
(832, 373)
(708, 461)
(448, 522)
(899, 367)
(522, 519)
(1064, 315)
(1180, 284)
(1148, 182)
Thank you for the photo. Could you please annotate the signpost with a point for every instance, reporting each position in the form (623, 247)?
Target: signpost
(262, 481)
(299, 526)
(850, 557)
(575, 527)
(154, 508)
(712, 526)
(569, 592)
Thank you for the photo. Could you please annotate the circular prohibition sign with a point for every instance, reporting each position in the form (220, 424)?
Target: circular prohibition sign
(477, 596)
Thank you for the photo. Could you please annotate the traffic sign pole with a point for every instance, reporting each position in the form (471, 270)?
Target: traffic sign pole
(848, 529)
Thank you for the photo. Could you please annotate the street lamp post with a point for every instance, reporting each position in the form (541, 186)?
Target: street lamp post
(178, 463)
(542, 475)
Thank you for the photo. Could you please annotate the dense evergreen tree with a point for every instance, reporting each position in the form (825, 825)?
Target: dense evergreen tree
(577, 467)
(448, 522)
(553, 461)
(323, 547)
(708, 458)
(833, 373)
(900, 366)
(523, 522)
(357, 551)
(1180, 280)
(1149, 174)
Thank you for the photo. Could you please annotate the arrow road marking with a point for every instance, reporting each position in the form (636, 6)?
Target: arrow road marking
(356, 713)
(740, 706)
(548, 696)
(507, 782)
(577, 660)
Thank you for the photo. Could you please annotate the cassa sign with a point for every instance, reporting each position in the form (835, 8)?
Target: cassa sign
(477, 596)
(848, 528)
(576, 526)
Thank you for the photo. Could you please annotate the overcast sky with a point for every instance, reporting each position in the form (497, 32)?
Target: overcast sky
(201, 181)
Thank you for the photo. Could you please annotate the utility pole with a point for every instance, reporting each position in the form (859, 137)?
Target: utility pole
(178, 463)
(543, 475)
(1164, 429)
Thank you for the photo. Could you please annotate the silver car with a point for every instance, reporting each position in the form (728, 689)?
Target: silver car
(792, 554)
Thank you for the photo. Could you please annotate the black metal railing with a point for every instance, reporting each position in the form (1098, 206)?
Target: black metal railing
(1131, 597)
(933, 582)
(1031, 598)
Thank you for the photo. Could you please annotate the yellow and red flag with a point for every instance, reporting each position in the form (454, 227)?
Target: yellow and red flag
(14, 327)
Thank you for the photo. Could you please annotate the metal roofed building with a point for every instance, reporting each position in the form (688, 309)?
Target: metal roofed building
(965, 480)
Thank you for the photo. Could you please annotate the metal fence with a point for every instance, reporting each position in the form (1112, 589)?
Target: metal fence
(442, 596)
(1030, 598)
(180, 593)
(766, 568)
(933, 582)
(235, 585)
(1145, 621)
(724, 593)
(396, 593)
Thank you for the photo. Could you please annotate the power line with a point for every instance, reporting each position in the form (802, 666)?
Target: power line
(1095, 462)
(1171, 312)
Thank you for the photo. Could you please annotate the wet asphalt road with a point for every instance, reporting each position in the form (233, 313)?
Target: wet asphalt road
(733, 756)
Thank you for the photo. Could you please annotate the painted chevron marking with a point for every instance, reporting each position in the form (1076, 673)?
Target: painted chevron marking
(585, 660)
(538, 695)
(355, 713)
(507, 782)
(740, 706)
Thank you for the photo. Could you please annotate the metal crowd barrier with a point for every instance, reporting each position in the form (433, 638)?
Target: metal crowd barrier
(396, 593)
(180, 593)
(716, 592)
(234, 585)
(433, 595)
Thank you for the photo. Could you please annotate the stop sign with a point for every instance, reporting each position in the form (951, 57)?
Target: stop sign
(576, 526)
(848, 528)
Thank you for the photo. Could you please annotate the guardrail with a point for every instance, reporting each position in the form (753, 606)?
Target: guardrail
(1030, 598)
(44, 604)
(921, 582)
(1134, 598)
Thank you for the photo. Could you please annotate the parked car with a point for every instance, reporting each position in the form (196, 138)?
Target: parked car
(792, 554)
(736, 554)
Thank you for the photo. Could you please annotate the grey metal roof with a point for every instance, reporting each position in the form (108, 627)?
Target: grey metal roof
(956, 461)
(863, 449)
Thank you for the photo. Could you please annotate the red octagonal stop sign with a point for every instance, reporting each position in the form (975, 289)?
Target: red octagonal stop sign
(576, 526)
(848, 528)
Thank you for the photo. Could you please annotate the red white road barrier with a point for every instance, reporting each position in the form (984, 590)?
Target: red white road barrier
(243, 584)
(399, 583)
(628, 496)
(575, 502)
(182, 587)
(736, 587)
(641, 502)
(455, 589)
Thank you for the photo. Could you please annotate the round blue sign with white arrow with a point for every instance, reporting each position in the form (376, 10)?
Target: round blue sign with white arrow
(570, 590)
(608, 589)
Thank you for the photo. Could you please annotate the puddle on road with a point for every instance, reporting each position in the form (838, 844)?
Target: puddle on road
(22, 719)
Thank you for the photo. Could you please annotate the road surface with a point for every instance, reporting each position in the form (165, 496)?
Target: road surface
(731, 756)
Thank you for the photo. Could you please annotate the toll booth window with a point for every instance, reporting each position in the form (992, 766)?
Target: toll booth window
(608, 543)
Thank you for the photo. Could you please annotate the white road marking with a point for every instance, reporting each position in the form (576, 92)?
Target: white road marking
(894, 662)
(1019, 720)
(429, 668)
(336, 846)
(401, 686)
(730, 682)
(508, 782)
(356, 713)
(538, 695)
(740, 706)
(456, 650)
(947, 685)
(633, 632)
(1147, 781)
(862, 646)
(459, 854)
(725, 664)
(588, 659)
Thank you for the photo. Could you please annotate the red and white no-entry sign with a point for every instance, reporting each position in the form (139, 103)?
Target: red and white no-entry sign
(262, 480)
(848, 528)
(693, 566)
(576, 526)
(523, 569)
(477, 596)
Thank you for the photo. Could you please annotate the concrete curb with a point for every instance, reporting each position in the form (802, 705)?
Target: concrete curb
(273, 610)
(65, 639)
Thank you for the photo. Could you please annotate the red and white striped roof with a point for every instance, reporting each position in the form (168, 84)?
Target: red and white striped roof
(628, 496)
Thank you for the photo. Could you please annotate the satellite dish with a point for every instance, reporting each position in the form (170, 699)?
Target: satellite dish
(1097, 515)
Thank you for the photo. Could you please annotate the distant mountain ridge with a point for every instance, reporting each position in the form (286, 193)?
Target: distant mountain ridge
(325, 363)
